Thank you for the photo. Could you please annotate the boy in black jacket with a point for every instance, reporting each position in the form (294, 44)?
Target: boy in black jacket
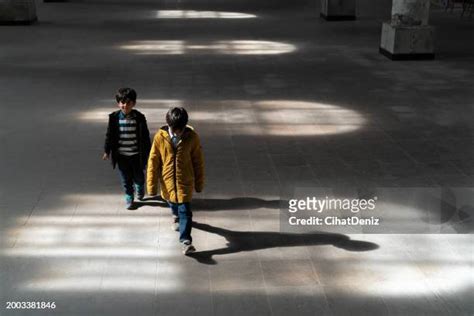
(127, 143)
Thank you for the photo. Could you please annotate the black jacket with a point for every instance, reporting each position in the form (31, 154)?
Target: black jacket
(113, 133)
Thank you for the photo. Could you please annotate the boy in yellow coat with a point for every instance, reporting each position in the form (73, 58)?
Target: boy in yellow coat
(177, 162)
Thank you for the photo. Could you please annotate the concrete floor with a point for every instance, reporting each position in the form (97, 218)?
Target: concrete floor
(362, 120)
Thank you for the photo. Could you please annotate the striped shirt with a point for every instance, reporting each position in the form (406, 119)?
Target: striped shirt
(128, 144)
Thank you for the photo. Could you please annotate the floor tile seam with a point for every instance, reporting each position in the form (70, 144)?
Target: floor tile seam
(384, 303)
(384, 298)
(211, 291)
(326, 300)
(157, 264)
(25, 224)
(102, 277)
(249, 217)
(265, 146)
(234, 157)
(238, 288)
(456, 166)
(313, 267)
(447, 305)
(307, 163)
(208, 271)
(211, 286)
(400, 148)
(273, 167)
(33, 208)
(265, 286)
(252, 218)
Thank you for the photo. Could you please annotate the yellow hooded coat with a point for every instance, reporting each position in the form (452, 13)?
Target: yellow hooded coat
(179, 170)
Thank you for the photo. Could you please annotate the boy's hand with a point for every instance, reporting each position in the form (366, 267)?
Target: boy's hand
(105, 156)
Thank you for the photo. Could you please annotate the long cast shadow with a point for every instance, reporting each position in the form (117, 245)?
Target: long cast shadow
(241, 203)
(238, 241)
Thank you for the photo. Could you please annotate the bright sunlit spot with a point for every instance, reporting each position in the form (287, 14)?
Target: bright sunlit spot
(119, 251)
(429, 263)
(144, 275)
(155, 110)
(191, 14)
(232, 47)
(86, 252)
(167, 284)
(277, 118)
(82, 247)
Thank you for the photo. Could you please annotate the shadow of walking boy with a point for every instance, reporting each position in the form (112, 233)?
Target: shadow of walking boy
(238, 241)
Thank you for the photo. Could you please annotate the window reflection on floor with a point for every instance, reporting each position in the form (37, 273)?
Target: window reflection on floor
(231, 47)
(192, 14)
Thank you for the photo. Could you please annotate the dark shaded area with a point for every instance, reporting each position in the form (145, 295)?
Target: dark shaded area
(406, 56)
(238, 241)
(17, 23)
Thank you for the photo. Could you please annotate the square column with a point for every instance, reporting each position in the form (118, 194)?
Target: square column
(338, 10)
(408, 36)
(17, 12)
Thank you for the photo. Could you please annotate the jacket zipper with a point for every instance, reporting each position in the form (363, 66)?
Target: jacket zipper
(174, 173)
(175, 152)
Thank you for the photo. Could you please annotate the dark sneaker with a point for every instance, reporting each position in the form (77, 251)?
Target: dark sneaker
(129, 202)
(187, 247)
(140, 189)
(175, 224)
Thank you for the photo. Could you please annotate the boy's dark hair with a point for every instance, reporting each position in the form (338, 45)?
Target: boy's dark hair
(126, 94)
(177, 118)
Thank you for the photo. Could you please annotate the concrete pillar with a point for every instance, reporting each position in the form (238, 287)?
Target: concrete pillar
(17, 12)
(338, 10)
(408, 35)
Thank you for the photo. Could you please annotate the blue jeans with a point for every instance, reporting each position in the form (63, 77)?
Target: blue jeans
(131, 171)
(183, 212)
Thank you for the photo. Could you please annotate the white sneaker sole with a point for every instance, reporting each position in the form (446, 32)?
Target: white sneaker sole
(189, 250)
